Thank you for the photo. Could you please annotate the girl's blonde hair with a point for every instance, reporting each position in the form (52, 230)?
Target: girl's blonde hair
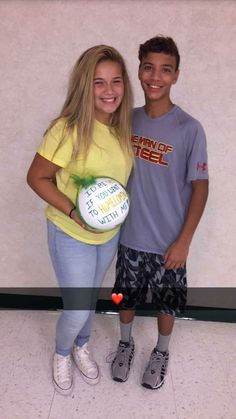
(78, 109)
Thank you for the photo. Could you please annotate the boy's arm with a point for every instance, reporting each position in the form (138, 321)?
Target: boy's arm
(176, 254)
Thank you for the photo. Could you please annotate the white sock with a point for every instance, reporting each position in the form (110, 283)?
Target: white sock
(163, 342)
(125, 331)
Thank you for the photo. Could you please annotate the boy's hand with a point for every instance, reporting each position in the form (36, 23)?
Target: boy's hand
(175, 257)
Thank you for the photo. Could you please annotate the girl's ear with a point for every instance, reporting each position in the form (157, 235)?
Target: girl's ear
(139, 73)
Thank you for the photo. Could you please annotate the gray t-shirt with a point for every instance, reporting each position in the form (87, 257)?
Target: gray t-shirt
(170, 153)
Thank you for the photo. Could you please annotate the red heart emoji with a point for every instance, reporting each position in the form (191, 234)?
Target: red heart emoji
(117, 298)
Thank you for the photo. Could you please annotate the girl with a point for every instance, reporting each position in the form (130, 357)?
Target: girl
(91, 136)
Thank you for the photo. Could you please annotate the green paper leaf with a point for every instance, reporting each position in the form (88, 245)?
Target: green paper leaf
(83, 182)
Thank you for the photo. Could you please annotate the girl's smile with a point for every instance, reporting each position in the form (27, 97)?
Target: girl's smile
(108, 90)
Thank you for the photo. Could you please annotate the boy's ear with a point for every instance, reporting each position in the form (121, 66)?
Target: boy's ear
(176, 76)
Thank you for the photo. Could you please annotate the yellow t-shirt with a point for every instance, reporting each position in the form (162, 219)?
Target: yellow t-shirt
(105, 158)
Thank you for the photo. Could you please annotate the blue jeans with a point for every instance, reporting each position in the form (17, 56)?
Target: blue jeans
(77, 265)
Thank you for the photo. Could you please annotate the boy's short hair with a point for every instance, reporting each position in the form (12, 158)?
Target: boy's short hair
(160, 43)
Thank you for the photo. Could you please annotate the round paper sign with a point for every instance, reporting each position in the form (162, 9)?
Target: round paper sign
(104, 204)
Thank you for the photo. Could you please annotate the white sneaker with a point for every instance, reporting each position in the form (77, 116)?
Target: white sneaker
(62, 374)
(87, 367)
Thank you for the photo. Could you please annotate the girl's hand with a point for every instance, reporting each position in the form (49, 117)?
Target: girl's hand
(75, 217)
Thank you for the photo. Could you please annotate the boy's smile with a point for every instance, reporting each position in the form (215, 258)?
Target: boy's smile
(157, 74)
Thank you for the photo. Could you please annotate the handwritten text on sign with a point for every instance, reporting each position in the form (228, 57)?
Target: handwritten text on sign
(106, 202)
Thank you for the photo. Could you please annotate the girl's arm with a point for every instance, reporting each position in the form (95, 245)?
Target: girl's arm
(41, 177)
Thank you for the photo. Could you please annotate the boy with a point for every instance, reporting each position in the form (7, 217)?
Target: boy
(168, 191)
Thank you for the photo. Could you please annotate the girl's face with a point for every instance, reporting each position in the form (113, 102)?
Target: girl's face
(108, 90)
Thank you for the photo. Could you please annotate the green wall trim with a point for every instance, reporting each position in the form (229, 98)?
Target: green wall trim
(38, 302)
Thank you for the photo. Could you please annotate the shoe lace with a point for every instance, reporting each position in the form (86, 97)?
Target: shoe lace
(64, 367)
(157, 359)
(122, 353)
(85, 360)
(109, 358)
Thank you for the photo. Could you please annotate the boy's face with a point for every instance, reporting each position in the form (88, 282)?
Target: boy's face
(157, 74)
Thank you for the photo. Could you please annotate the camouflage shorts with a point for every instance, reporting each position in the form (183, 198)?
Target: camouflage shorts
(137, 272)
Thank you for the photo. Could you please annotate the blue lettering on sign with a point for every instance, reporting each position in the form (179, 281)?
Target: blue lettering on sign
(110, 217)
(113, 189)
(93, 212)
(89, 204)
(125, 206)
(101, 184)
(102, 195)
(92, 189)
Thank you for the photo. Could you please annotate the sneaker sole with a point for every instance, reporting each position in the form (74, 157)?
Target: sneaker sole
(152, 388)
(91, 381)
(119, 380)
(61, 391)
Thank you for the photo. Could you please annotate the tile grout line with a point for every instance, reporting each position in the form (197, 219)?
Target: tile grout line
(50, 409)
(173, 389)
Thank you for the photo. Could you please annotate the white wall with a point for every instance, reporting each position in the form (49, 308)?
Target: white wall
(39, 43)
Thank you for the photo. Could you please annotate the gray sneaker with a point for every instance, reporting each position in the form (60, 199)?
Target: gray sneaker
(156, 370)
(123, 360)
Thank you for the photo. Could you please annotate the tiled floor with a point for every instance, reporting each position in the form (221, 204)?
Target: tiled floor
(201, 381)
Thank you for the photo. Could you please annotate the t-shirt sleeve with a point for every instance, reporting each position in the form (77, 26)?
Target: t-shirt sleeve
(197, 163)
(56, 145)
